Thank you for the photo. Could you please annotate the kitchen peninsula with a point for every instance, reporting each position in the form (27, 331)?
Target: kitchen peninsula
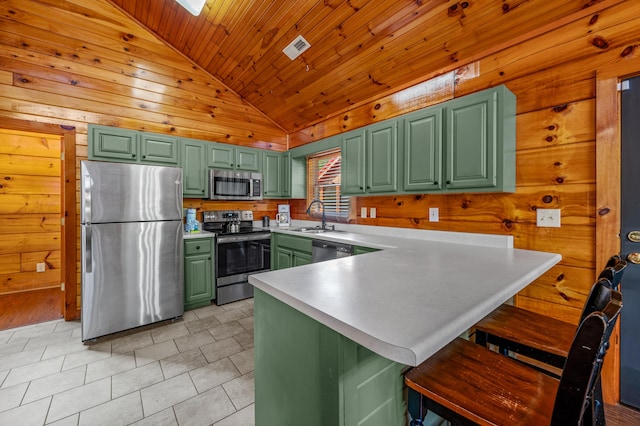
(332, 339)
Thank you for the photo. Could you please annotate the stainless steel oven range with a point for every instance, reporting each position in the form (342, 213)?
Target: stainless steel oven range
(241, 250)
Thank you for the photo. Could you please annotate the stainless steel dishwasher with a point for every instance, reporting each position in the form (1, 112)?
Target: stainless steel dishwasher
(327, 250)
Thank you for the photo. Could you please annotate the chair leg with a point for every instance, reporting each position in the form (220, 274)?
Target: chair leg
(598, 405)
(414, 406)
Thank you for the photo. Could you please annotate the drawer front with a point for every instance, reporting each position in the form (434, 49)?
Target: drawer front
(295, 243)
(197, 246)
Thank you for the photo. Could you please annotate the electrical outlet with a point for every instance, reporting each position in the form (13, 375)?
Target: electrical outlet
(549, 218)
(373, 213)
(40, 267)
(363, 212)
(433, 214)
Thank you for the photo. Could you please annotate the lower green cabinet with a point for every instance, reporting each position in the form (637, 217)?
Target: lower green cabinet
(290, 251)
(362, 250)
(198, 273)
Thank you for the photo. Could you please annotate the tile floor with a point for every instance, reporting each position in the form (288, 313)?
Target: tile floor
(194, 371)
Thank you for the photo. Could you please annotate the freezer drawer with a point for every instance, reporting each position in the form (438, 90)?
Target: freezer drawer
(132, 275)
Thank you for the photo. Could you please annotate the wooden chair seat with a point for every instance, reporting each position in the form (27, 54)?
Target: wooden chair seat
(469, 384)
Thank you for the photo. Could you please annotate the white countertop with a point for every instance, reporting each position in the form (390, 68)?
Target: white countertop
(199, 234)
(409, 300)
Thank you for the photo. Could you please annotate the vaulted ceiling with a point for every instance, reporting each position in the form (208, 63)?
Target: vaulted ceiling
(360, 49)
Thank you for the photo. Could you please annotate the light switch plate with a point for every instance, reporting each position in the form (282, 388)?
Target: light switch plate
(548, 218)
(434, 214)
(40, 267)
(363, 212)
(373, 213)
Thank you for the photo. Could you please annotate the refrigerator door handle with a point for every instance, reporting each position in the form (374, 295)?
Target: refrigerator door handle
(87, 250)
(86, 206)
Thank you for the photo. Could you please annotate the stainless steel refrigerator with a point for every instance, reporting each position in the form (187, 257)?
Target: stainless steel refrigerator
(132, 263)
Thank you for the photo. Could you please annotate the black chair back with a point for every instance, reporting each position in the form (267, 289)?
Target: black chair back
(613, 271)
(581, 372)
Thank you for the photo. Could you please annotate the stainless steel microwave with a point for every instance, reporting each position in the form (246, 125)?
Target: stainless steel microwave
(233, 185)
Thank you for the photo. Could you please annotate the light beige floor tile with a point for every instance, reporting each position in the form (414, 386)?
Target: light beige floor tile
(3, 375)
(247, 323)
(67, 421)
(244, 417)
(221, 349)
(241, 391)
(12, 396)
(132, 342)
(108, 367)
(120, 411)
(245, 339)
(67, 325)
(33, 371)
(202, 324)
(48, 339)
(155, 352)
(26, 415)
(189, 316)
(92, 353)
(65, 348)
(193, 341)
(182, 363)
(162, 395)
(243, 361)
(136, 379)
(226, 330)
(78, 399)
(230, 315)
(169, 332)
(12, 348)
(163, 418)
(206, 311)
(21, 358)
(56, 383)
(205, 408)
(214, 374)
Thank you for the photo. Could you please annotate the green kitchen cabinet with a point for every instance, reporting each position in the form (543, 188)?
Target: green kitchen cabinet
(362, 250)
(422, 155)
(289, 250)
(198, 272)
(158, 149)
(276, 174)
(122, 145)
(194, 168)
(307, 373)
(370, 159)
(224, 156)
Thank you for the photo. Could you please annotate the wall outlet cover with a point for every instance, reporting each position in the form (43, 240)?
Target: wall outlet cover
(40, 267)
(363, 212)
(548, 218)
(434, 215)
(373, 213)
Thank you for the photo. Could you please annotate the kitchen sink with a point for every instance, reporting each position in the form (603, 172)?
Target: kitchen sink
(313, 230)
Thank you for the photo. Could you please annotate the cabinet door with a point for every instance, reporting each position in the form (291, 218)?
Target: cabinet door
(423, 151)
(471, 141)
(301, 258)
(247, 159)
(194, 175)
(382, 157)
(198, 281)
(221, 156)
(285, 175)
(283, 258)
(113, 144)
(271, 174)
(353, 163)
(158, 149)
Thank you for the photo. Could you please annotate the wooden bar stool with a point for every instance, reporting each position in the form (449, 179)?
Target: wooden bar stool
(466, 383)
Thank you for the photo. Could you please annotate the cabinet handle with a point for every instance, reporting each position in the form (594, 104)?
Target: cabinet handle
(133, 155)
(197, 247)
(360, 187)
(435, 183)
(144, 156)
(448, 182)
(368, 187)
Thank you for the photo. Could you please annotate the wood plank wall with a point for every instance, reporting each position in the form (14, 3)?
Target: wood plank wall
(553, 76)
(99, 66)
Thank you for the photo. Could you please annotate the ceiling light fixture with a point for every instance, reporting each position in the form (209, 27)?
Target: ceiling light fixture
(193, 6)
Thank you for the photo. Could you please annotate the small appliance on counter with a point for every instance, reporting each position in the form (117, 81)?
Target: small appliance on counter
(283, 218)
(241, 250)
(191, 224)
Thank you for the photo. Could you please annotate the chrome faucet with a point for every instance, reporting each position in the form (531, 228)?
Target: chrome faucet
(324, 221)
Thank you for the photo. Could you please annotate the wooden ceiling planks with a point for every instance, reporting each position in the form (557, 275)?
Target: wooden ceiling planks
(361, 49)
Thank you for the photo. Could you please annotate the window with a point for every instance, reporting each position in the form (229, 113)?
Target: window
(323, 183)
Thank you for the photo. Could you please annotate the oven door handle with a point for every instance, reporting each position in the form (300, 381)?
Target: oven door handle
(221, 239)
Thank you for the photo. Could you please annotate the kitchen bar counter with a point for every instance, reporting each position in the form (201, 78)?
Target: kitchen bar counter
(200, 234)
(332, 339)
(414, 296)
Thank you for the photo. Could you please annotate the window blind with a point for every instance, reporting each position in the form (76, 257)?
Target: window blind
(323, 183)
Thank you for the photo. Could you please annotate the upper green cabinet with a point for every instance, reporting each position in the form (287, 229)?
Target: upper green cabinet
(276, 174)
(194, 168)
(422, 157)
(223, 156)
(369, 159)
(114, 144)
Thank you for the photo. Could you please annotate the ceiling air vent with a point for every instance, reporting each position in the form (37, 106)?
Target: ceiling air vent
(296, 47)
